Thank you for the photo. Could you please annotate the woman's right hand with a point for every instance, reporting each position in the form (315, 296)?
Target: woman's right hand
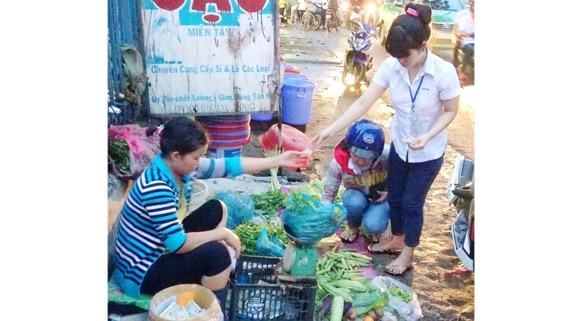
(320, 138)
(233, 240)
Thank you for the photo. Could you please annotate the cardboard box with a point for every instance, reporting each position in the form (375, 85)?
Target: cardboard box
(204, 297)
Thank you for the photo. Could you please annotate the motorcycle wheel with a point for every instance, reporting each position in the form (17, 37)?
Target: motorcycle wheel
(306, 21)
(346, 22)
(335, 22)
(315, 22)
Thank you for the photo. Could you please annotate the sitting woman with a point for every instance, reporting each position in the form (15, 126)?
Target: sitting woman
(154, 249)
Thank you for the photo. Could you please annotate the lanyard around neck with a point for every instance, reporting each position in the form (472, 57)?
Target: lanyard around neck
(414, 96)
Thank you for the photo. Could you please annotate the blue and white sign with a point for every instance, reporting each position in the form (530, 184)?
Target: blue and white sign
(210, 56)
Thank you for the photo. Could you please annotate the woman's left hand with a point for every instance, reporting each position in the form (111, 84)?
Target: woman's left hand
(293, 159)
(417, 143)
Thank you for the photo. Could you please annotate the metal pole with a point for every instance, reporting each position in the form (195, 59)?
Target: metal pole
(277, 23)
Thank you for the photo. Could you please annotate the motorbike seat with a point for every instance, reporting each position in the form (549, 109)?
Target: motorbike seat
(465, 191)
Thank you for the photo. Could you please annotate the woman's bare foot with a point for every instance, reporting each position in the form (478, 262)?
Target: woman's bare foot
(402, 263)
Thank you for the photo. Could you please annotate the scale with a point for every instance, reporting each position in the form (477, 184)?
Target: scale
(300, 259)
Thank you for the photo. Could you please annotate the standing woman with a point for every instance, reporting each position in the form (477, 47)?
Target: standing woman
(425, 96)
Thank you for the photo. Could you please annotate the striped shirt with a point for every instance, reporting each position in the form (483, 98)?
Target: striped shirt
(148, 226)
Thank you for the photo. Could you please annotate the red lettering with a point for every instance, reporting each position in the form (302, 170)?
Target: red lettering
(212, 18)
(252, 6)
(221, 5)
(169, 5)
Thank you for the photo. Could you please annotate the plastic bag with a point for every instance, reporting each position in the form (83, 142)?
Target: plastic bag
(267, 247)
(240, 208)
(310, 220)
(261, 220)
(397, 307)
(142, 148)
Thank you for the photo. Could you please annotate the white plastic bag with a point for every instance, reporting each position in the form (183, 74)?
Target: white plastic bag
(397, 309)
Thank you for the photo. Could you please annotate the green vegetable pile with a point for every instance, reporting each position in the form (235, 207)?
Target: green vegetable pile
(403, 294)
(267, 203)
(118, 152)
(338, 274)
(315, 189)
(248, 234)
(298, 200)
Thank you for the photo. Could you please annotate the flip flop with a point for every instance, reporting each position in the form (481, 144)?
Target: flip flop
(346, 240)
(386, 251)
(408, 268)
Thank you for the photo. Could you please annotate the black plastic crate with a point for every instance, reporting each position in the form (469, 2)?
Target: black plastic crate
(256, 294)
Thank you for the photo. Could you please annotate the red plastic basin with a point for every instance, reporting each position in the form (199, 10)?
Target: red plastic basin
(293, 139)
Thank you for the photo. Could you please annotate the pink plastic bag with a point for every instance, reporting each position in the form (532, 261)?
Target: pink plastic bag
(142, 148)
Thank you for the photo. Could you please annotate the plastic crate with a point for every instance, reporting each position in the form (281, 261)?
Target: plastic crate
(258, 296)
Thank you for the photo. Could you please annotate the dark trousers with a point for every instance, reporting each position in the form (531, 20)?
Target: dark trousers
(408, 185)
(208, 259)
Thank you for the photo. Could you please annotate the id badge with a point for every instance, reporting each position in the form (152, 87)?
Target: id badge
(413, 123)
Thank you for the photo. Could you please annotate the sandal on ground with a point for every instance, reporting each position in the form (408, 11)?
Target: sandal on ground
(384, 251)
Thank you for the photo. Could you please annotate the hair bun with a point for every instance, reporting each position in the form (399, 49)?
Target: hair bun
(424, 12)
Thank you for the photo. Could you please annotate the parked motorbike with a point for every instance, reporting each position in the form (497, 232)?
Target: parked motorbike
(344, 12)
(313, 17)
(353, 19)
(464, 61)
(332, 21)
(370, 14)
(357, 58)
(461, 193)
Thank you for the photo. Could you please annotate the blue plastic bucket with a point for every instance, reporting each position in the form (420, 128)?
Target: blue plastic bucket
(296, 100)
(294, 76)
(262, 116)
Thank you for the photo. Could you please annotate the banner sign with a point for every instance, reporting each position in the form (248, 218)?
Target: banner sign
(210, 56)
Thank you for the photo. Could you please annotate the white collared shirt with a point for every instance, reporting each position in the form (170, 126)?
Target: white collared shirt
(440, 83)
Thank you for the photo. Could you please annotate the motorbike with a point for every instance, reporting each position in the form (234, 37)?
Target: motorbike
(357, 58)
(344, 11)
(461, 193)
(353, 19)
(332, 21)
(464, 61)
(370, 13)
(313, 17)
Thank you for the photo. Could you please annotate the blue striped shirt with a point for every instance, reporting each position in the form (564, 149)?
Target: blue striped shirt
(148, 226)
